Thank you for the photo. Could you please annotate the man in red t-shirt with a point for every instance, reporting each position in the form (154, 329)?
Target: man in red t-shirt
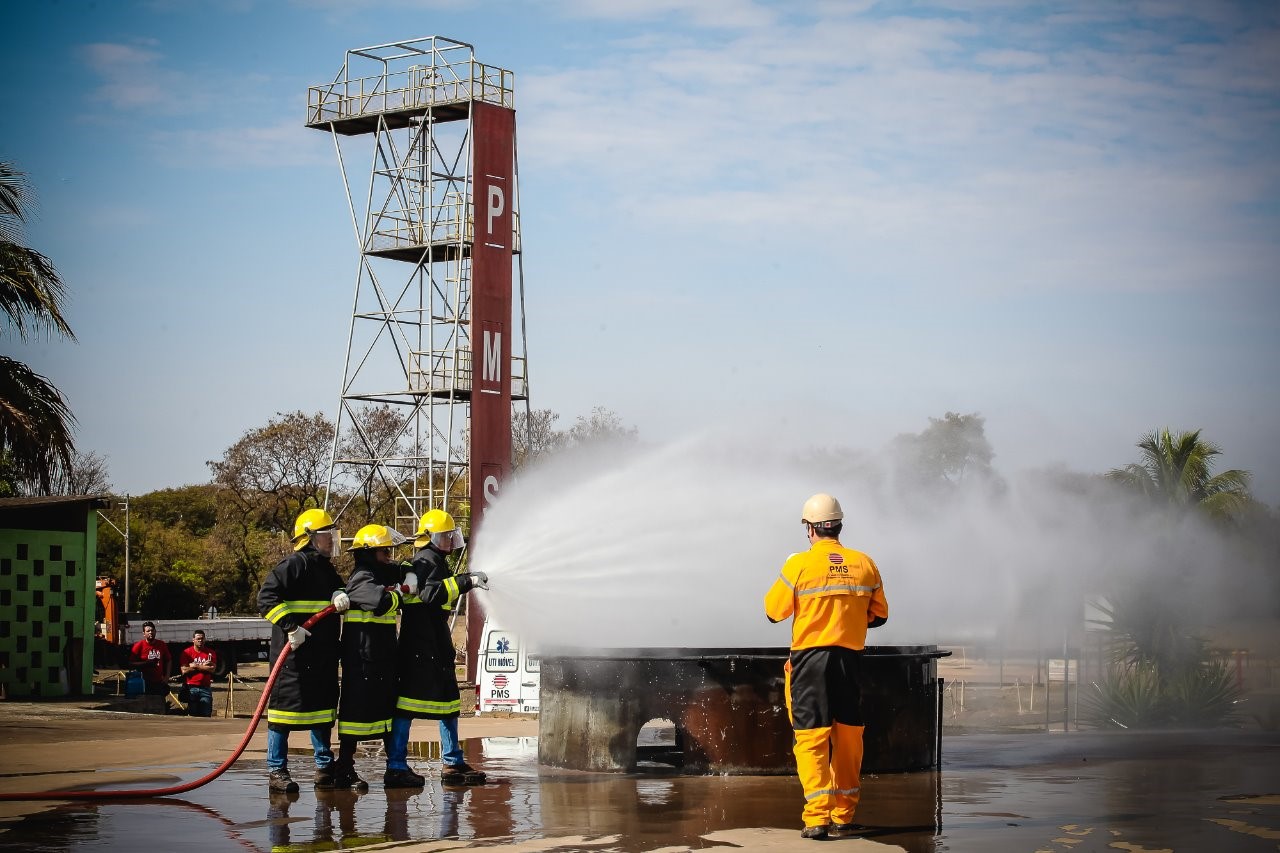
(152, 657)
(198, 662)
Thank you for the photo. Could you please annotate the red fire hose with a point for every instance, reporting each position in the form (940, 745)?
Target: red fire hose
(140, 793)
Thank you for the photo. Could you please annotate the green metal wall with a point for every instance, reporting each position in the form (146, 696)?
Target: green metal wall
(47, 610)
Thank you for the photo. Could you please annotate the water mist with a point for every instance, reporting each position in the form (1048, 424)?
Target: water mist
(675, 545)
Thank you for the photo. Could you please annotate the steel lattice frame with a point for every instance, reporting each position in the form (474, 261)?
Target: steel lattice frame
(408, 355)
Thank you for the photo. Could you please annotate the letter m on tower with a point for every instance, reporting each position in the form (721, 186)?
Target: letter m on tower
(491, 366)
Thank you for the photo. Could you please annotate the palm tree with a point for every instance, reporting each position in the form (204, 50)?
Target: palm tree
(1176, 469)
(1161, 673)
(36, 424)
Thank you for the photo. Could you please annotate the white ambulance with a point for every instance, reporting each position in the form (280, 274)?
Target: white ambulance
(508, 678)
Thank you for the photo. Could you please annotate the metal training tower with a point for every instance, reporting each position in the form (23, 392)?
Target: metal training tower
(436, 354)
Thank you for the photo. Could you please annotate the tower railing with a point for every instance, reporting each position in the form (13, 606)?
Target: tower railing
(440, 371)
(447, 371)
(408, 227)
(418, 87)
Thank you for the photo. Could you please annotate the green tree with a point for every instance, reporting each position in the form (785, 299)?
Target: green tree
(951, 451)
(1176, 470)
(193, 508)
(36, 424)
(1160, 674)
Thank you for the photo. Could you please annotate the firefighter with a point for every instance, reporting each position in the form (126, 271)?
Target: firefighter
(306, 691)
(428, 683)
(369, 653)
(833, 595)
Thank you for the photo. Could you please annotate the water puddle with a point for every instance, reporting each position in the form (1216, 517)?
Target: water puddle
(1175, 791)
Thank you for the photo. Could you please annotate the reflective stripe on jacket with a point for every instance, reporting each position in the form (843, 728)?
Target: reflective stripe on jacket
(306, 691)
(369, 649)
(428, 681)
(831, 593)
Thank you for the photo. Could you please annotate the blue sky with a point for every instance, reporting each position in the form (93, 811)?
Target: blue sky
(832, 219)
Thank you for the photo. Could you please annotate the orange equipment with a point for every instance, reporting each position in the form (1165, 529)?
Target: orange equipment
(112, 627)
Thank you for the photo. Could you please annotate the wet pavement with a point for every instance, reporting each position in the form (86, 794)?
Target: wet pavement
(1174, 791)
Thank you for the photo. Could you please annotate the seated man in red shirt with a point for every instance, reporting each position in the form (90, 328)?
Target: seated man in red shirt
(198, 662)
(152, 657)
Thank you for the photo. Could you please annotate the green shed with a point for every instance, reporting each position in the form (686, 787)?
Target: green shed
(48, 568)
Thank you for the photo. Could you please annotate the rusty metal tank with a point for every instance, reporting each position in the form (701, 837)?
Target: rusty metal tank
(727, 707)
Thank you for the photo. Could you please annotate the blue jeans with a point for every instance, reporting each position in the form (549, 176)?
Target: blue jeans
(398, 744)
(278, 748)
(450, 748)
(199, 701)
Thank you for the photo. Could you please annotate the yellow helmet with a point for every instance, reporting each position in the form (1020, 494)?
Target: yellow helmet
(310, 521)
(373, 536)
(435, 521)
(438, 526)
(820, 510)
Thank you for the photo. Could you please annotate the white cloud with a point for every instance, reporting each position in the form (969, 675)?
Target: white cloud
(132, 76)
(138, 78)
(1124, 166)
(1009, 59)
(285, 144)
(723, 14)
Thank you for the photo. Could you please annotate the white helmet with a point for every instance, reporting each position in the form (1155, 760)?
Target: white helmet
(822, 511)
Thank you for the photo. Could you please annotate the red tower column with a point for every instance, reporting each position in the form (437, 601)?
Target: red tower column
(493, 197)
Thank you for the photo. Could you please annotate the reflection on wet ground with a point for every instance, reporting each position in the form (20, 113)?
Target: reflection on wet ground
(1174, 791)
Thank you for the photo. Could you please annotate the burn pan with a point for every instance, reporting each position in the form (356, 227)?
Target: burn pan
(727, 707)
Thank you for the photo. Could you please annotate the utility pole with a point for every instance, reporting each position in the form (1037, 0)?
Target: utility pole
(124, 504)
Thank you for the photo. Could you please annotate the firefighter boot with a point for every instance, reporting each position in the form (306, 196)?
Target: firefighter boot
(345, 776)
(461, 774)
(402, 779)
(846, 830)
(281, 782)
(326, 779)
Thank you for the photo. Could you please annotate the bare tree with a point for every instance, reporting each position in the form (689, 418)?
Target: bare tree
(533, 436)
(274, 472)
(86, 475)
(376, 432)
(601, 425)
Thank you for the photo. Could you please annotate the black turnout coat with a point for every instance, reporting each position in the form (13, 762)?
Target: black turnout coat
(369, 649)
(305, 695)
(428, 683)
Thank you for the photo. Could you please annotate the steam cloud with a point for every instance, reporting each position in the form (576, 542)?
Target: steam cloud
(675, 545)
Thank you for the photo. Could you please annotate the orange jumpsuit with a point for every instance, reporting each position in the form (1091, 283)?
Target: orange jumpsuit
(831, 593)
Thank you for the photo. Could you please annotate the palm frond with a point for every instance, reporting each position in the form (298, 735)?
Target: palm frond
(36, 425)
(31, 292)
(14, 198)
(1176, 470)
(1203, 695)
(1126, 698)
